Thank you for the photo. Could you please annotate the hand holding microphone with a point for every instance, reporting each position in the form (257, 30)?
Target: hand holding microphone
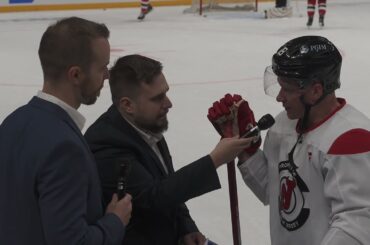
(121, 204)
(264, 123)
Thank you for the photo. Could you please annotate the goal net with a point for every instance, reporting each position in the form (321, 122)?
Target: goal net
(200, 6)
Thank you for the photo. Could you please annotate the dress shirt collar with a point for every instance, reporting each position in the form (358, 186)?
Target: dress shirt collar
(151, 139)
(76, 116)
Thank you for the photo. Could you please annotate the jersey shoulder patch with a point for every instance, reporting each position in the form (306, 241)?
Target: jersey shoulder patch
(354, 141)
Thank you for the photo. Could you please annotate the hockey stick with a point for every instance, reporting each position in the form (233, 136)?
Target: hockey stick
(234, 207)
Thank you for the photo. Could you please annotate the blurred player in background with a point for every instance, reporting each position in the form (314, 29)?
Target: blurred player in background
(146, 7)
(311, 11)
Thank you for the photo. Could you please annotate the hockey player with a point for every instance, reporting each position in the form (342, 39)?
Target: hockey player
(314, 169)
(145, 8)
(311, 11)
(281, 10)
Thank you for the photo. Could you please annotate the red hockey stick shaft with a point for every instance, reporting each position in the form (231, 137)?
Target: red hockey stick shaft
(234, 207)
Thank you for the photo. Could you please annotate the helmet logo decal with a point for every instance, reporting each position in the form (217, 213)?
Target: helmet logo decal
(292, 210)
(282, 51)
(304, 49)
(318, 47)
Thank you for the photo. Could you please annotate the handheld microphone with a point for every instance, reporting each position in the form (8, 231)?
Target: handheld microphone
(264, 123)
(124, 167)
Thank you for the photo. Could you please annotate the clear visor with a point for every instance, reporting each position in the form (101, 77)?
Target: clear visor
(270, 82)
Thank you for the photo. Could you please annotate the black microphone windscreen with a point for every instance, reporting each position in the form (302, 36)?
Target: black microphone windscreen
(124, 165)
(265, 122)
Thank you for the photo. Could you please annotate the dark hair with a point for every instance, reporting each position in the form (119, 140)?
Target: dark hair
(68, 43)
(129, 72)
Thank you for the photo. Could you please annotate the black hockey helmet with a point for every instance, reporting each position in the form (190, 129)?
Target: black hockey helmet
(309, 58)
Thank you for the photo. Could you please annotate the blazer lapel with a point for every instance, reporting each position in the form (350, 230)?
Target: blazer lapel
(163, 148)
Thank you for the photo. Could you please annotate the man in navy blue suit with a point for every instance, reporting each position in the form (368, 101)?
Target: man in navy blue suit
(49, 184)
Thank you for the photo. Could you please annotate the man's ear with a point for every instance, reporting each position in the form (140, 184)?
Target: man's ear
(75, 74)
(317, 91)
(127, 105)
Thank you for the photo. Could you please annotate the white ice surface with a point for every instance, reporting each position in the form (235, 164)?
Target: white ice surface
(203, 58)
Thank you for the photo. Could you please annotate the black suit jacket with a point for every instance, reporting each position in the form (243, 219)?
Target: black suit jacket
(159, 216)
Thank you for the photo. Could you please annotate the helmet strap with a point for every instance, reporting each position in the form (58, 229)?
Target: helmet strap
(307, 109)
(302, 127)
(304, 122)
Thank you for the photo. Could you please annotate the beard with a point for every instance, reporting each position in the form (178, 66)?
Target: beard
(87, 97)
(155, 127)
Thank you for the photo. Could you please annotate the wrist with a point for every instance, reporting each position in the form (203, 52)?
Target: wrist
(243, 157)
(215, 159)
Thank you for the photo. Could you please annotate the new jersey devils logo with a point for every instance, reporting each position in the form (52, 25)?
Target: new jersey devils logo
(293, 213)
(287, 186)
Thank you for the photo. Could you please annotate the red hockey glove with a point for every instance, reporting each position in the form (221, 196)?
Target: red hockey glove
(231, 116)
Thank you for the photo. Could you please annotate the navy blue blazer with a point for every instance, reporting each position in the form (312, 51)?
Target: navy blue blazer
(49, 185)
(160, 216)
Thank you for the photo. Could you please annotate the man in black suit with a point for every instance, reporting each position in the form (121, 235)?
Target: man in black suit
(132, 129)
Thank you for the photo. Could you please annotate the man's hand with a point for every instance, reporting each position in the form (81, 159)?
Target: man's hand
(232, 116)
(195, 238)
(122, 208)
(229, 148)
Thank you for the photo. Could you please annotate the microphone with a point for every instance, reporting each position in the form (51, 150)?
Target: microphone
(124, 168)
(264, 123)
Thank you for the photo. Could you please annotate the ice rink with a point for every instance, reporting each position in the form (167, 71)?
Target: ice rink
(203, 58)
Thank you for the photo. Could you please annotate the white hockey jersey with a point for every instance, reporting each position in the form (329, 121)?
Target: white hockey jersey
(321, 194)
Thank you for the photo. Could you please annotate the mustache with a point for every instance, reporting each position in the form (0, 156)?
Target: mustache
(164, 114)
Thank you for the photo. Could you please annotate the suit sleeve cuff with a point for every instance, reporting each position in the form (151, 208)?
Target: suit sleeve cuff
(113, 228)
